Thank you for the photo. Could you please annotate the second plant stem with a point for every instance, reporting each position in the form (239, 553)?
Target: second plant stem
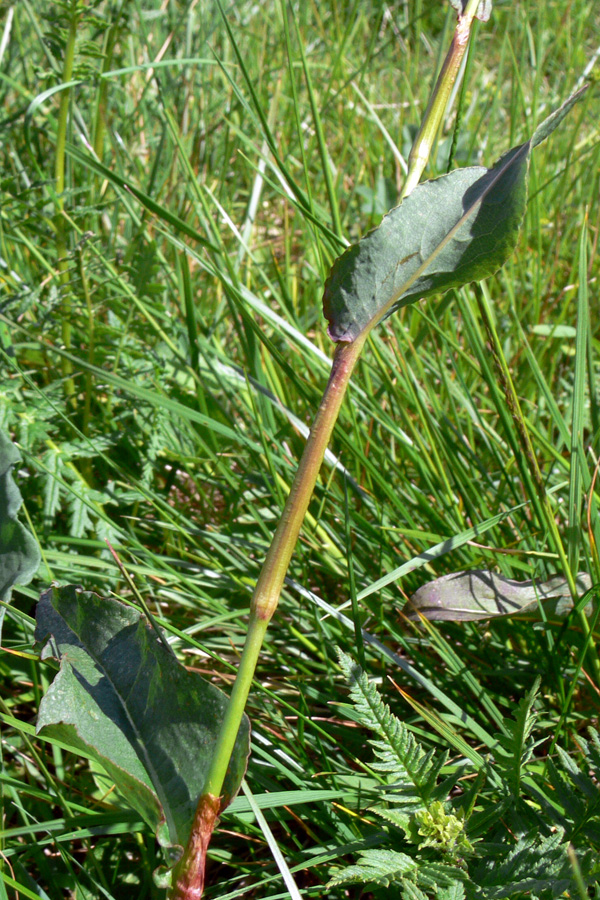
(438, 102)
(59, 174)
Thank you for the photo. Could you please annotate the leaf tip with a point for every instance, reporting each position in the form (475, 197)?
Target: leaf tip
(554, 119)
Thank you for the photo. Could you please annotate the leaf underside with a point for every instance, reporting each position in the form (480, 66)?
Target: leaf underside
(448, 232)
(123, 698)
(479, 594)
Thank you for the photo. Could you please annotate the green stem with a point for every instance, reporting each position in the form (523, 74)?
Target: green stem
(237, 703)
(59, 173)
(87, 403)
(270, 581)
(188, 877)
(101, 102)
(438, 101)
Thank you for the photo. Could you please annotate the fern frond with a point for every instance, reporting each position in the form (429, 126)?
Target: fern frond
(54, 465)
(571, 798)
(395, 817)
(516, 747)
(79, 518)
(388, 867)
(454, 891)
(382, 867)
(410, 891)
(414, 772)
(434, 875)
(586, 785)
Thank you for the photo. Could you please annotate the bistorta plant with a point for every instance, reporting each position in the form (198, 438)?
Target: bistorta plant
(174, 745)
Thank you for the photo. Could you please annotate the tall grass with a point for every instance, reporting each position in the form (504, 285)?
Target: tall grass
(163, 350)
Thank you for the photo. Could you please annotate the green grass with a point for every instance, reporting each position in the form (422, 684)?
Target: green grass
(159, 379)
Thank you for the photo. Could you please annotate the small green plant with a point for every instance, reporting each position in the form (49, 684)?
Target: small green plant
(505, 829)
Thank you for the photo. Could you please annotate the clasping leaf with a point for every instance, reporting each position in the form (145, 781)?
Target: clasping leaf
(455, 229)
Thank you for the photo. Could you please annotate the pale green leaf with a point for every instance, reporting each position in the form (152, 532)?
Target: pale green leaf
(122, 697)
(467, 596)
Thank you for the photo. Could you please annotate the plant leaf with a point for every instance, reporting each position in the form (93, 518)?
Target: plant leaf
(455, 229)
(454, 891)
(516, 745)
(478, 594)
(123, 698)
(536, 863)
(413, 770)
(19, 552)
(382, 867)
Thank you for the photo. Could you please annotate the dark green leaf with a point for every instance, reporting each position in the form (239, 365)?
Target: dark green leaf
(19, 552)
(536, 863)
(123, 698)
(458, 228)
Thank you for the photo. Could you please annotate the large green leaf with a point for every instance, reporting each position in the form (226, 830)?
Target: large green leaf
(122, 697)
(447, 232)
(19, 552)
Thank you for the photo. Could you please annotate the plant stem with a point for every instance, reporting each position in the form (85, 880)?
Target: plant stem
(270, 581)
(59, 173)
(264, 603)
(438, 101)
(87, 403)
(110, 41)
(188, 875)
